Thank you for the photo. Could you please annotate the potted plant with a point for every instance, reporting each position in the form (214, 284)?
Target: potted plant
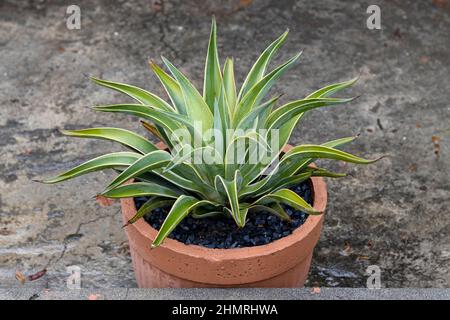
(222, 200)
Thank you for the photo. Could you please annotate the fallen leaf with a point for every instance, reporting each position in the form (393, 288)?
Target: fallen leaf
(315, 290)
(157, 5)
(440, 3)
(362, 258)
(347, 249)
(20, 277)
(244, 3)
(436, 144)
(94, 296)
(435, 139)
(104, 201)
(424, 59)
(37, 275)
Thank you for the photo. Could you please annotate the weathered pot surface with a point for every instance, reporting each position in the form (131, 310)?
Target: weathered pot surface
(281, 263)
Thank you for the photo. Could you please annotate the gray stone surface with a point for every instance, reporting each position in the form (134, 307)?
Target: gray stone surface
(226, 294)
(394, 214)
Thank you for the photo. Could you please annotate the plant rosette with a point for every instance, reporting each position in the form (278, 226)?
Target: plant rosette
(225, 157)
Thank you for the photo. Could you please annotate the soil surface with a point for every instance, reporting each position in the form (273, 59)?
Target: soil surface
(221, 232)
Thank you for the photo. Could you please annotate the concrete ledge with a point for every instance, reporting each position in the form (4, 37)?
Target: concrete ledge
(227, 294)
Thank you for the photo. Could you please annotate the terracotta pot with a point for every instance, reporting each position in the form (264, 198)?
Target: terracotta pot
(281, 263)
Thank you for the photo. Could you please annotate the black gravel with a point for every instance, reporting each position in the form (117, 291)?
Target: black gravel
(222, 232)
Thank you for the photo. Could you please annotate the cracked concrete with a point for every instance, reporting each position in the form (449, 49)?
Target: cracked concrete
(394, 214)
(75, 236)
(226, 294)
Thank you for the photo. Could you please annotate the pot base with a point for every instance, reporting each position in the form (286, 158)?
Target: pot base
(292, 278)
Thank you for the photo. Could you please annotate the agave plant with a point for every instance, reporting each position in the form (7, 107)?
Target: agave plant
(233, 188)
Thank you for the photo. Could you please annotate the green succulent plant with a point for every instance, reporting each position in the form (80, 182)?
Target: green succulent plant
(234, 188)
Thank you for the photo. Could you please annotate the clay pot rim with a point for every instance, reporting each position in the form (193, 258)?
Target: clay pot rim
(196, 251)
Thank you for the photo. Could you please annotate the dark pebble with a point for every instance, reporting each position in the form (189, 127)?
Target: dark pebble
(222, 232)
